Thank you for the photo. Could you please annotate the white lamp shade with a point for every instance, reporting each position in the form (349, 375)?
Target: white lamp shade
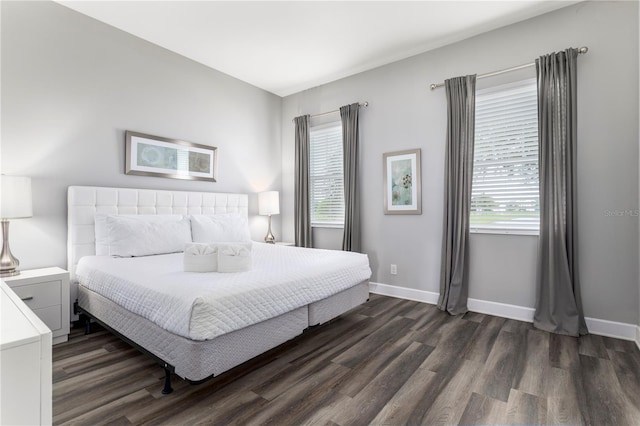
(16, 200)
(269, 203)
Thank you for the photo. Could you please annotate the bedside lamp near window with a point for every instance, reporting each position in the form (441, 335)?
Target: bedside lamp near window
(268, 204)
(16, 203)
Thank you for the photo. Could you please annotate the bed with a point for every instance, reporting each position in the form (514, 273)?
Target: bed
(199, 325)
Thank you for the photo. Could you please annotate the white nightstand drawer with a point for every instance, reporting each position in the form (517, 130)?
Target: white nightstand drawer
(52, 316)
(46, 292)
(40, 295)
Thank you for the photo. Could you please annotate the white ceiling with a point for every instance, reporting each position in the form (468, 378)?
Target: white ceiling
(288, 46)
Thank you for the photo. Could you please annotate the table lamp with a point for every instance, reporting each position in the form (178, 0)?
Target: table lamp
(16, 203)
(268, 204)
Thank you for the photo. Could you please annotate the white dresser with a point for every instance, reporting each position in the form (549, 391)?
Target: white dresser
(46, 292)
(25, 363)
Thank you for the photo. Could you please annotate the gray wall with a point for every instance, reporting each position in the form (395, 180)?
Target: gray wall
(71, 86)
(405, 114)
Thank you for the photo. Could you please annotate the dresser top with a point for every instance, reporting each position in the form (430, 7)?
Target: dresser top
(18, 324)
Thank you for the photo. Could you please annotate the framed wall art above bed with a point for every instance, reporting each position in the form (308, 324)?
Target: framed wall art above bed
(148, 155)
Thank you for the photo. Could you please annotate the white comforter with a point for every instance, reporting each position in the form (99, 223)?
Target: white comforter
(201, 306)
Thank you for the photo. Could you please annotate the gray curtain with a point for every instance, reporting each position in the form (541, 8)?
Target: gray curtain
(558, 306)
(302, 211)
(454, 273)
(350, 140)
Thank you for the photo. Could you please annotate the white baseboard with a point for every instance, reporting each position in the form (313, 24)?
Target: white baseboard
(600, 327)
(619, 330)
(503, 310)
(404, 293)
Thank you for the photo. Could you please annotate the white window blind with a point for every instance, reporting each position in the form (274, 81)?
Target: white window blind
(327, 179)
(505, 190)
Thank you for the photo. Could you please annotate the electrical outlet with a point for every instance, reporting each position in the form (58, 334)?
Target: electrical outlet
(394, 269)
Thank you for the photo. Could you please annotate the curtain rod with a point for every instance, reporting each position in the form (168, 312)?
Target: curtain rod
(434, 86)
(361, 105)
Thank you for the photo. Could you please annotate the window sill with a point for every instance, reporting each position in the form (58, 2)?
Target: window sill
(327, 225)
(506, 232)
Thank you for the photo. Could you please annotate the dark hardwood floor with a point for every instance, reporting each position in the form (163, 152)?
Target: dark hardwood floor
(388, 362)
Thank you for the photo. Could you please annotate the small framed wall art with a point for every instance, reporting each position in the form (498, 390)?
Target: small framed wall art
(402, 182)
(148, 155)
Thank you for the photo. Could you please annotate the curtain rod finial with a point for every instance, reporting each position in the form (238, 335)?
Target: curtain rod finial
(433, 86)
(583, 50)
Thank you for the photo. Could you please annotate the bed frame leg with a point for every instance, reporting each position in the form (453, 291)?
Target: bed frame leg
(87, 324)
(167, 382)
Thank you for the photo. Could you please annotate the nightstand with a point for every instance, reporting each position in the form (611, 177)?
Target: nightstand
(284, 243)
(46, 292)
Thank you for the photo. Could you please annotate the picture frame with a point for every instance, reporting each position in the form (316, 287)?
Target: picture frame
(148, 155)
(402, 182)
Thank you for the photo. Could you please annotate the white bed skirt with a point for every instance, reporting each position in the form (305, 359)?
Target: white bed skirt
(198, 360)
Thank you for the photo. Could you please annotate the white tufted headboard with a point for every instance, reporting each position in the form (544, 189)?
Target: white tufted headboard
(85, 201)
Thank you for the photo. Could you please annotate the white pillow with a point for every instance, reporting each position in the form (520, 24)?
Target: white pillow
(141, 235)
(102, 234)
(219, 228)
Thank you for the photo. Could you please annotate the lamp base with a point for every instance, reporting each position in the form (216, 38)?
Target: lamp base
(8, 263)
(270, 238)
(12, 273)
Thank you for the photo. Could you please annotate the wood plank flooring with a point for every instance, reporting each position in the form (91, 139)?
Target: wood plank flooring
(388, 362)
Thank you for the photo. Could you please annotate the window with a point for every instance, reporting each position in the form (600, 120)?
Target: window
(327, 180)
(504, 196)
